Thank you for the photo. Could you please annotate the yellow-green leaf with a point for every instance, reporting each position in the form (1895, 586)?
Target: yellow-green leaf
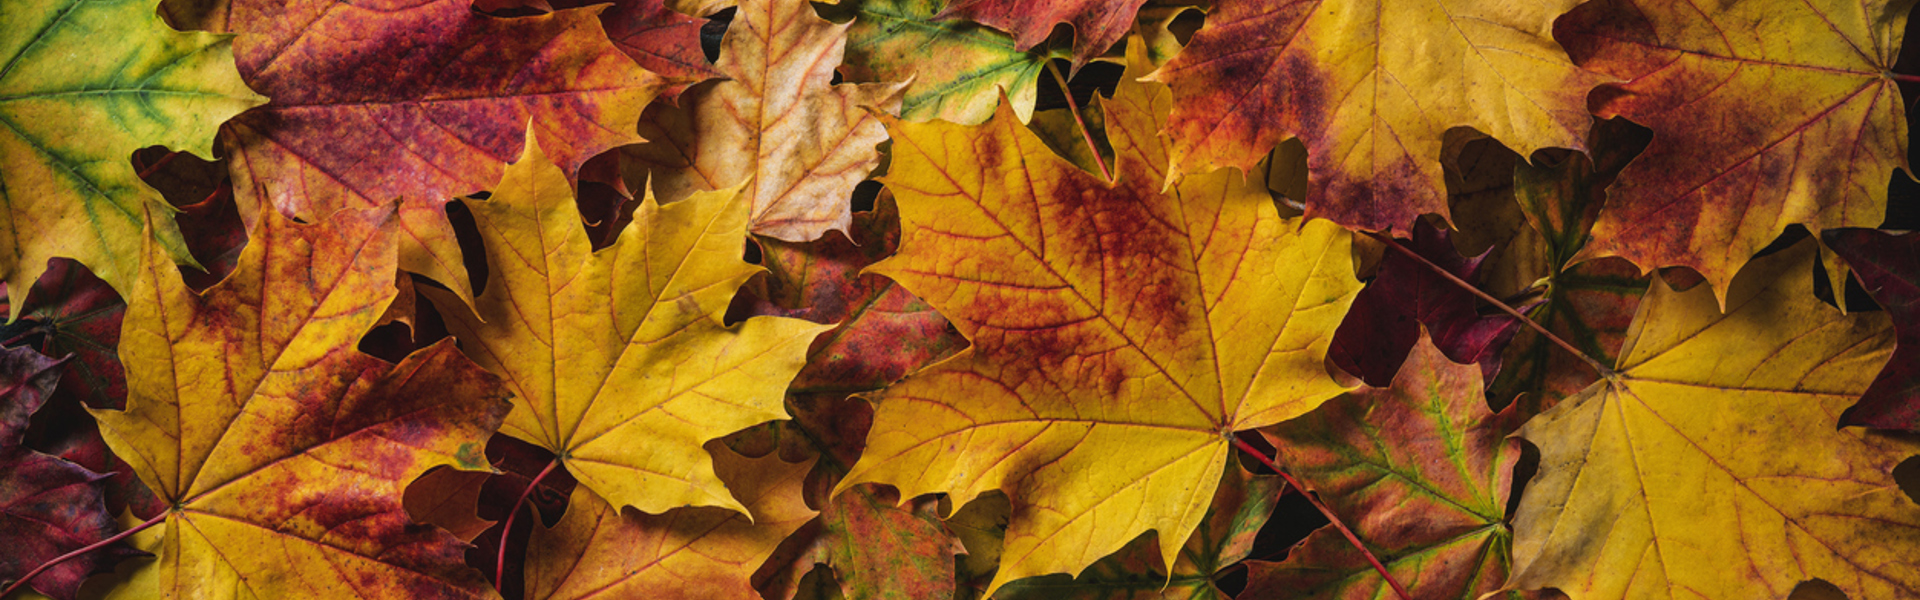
(83, 84)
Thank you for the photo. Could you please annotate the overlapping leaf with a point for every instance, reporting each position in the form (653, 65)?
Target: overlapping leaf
(598, 550)
(282, 451)
(1097, 24)
(1420, 471)
(1765, 114)
(781, 126)
(1709, 466)
(618, 359)
(1371, 88)
(1118, 333)
(1240, 508)
(420, 100)
(1889, 267)
(957, 68)
(84, 84)
(1387, 317)
(48, 506)
(662, 40)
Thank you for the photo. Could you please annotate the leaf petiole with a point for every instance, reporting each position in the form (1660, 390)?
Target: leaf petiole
(1605, 373)
(500, 561)
(1084, 133)
(83, 550)
(1351, 538)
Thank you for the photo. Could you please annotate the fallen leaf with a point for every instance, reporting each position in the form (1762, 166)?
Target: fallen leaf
(1119, 333)
(891, 40)
(695, 552)
(421, 100)
(664, 41)
(1587, 304)
(1240, 508)
(87, 83)
(1385, 321)
(48, 506)
(626, 398)
(448, 499)
(1372, 107)
(1709, 465)
(1420, 472)
(1097, 24)
(780, 125)
(883, 331)
(1889, 268)
(1765, 114)
(281, 451)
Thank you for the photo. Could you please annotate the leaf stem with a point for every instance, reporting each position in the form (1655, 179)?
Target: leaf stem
(1351, 538)
(1470, 288)
(158, 163)
(83, 550)
(1903, 77)
(500, 561)
(1084, 133)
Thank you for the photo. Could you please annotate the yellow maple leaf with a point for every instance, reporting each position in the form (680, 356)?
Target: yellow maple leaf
(1709, 465)
(1371, 88)
(281, 450)
(618, 359)
(1120, 335)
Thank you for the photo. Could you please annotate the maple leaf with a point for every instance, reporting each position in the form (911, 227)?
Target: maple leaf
(663, 41)
(883, 331)
(1119, 334)
(780, 123)
(1097, 24)
(1709, 465)
(1587, 304)
(85, 84)
(400, 101)
(618, 359)
(697, 552)
(281, 451)
(1421, 470)
(1371, 88)
(1889, 267)
(875, 548)
(1385, 322)
(48, 506)
(891, 40)
(1765, 115)
(1240, 508)
(69, 312)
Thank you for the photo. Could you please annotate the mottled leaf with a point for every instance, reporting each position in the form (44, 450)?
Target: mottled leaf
(420, 100)
(779, 125)
(1420, 472)
(663, 41)
(282, 451)
(1372, 88)
(84, 84)
(958, 70)
(1119, 333)
(1765, 114)
(883, 330)
(1709, 465)
(697, 552)
(618, 359)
